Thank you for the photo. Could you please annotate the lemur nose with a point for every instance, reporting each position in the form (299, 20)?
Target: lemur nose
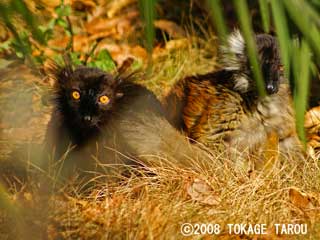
(270, 88)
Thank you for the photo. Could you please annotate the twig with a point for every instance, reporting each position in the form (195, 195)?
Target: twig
(92, 50)
(70, 29)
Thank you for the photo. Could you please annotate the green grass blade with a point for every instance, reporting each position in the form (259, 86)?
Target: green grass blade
(265, 15)
(311, 11)
(245, 25)
(218, 20)
(302, 87)
(147, 10)
(5, 13)
(281, 25)
(295, 60)
(304, 23)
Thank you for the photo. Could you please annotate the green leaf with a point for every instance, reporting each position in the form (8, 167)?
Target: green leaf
(61, 22)
(58, 59)
(5, 45)
(137, 64)
(147, 10)
(63, 10)
(302, 87)
(51, 24)
(281, 25)
(19, 54)
(265, 16)
(304, 22)
(75, 58)
(103, 61)
(217, 17)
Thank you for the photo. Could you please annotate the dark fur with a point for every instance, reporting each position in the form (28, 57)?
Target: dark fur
(101, 139)
(225, 105)
(269, 59)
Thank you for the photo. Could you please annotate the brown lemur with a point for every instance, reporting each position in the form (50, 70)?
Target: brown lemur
(224, 106)
(89, 108)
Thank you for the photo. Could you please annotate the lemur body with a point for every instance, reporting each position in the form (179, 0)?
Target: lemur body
(224, 106)
(90, 105)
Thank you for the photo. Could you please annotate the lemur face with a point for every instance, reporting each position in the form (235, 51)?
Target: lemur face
(269, 58)
(84, 96)
(235, 59)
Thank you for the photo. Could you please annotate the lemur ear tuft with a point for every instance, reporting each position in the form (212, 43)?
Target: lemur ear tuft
(60, 73)
(125, 65)
(68, 66)
(233, 53)
(125, 72)
(236, 43)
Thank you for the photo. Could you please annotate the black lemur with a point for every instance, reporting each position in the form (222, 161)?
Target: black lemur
(90, 106)
(224, 106)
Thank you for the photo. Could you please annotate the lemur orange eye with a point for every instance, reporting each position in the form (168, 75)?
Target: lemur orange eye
(75, 95)
(104, 99)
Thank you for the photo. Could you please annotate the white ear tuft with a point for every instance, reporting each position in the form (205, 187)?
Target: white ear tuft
(233, 54)
(236, 42)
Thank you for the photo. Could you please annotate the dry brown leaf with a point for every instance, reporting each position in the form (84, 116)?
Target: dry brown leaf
(99, 24)
(308, 203)
(173, 29)
(121, 52)
(312, 118)
(300, 199)
(83, 5)
(102, 34)
(116, 6)
(200, 191)
(312, 126)
(53, 3)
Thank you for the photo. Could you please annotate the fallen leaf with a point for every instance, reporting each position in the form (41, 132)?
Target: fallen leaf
(99, 24)
(173, 29)
(312, 118)
(300, 199)
(83, 5)
(308, 203)
(312, 126)
(116, 6)
(200, 191)
(121, 52)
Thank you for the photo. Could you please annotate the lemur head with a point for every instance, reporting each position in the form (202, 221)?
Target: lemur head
(84, 96)
(235, 59)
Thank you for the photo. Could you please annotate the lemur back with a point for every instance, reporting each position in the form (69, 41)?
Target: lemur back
(224, 106)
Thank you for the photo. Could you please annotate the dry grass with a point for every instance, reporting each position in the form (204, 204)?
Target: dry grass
(154, 205)
(180, 58)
